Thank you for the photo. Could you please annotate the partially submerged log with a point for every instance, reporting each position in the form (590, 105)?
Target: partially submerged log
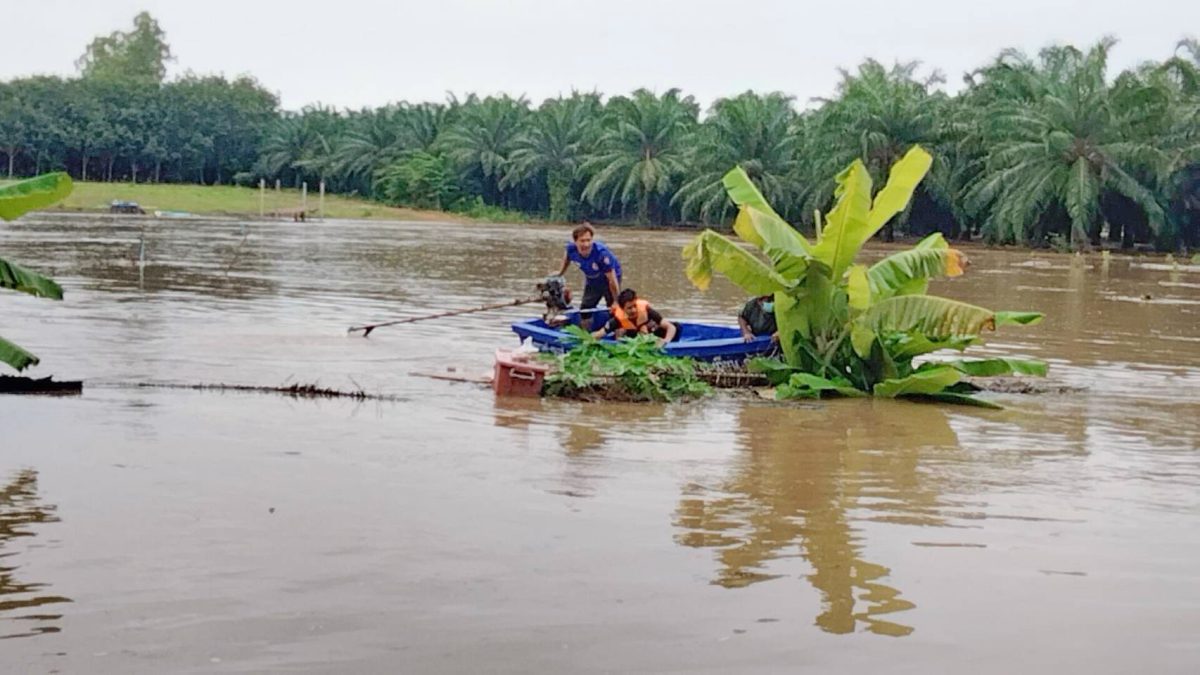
(294, 390)
(46, 386)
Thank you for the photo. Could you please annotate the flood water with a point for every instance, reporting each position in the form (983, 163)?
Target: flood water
(159, 530)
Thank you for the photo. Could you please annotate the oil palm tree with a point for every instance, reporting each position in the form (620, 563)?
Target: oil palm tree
(642, 150)
(300, 145)
(553, 147)
(757, 133)
(878, 115)
(374, 139)
(1055, 153)
(424, 122)
(482, 139)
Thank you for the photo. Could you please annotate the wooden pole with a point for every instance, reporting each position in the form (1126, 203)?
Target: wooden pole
(303, 200)
(277, 196)
(454, 312)
(262, 197)
(321, 202)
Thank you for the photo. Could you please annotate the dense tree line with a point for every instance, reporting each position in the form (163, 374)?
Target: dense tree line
(195, 129)
(120, 121)
(1046, 149)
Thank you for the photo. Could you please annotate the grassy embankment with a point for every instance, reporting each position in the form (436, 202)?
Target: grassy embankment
(232, 200)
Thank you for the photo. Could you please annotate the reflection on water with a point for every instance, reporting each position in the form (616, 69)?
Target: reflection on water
(583, 431)
(22, 602)
(803, 477)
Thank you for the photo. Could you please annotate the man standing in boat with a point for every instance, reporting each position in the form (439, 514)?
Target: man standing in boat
(600, 267)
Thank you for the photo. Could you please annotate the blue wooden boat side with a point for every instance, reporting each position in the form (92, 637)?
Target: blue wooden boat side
(700, 341)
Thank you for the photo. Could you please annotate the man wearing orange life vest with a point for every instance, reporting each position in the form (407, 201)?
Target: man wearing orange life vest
(632, 315)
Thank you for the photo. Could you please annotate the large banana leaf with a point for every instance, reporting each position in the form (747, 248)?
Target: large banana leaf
(927, 381)
(15, 356)
(743, 192)
(806, 385)
(862, 339)
(854, 219)
(783, 245)
(710, 251)
(956, 398)
(910, 345)
(17, 278)
(846, 225)
(935, 318)
(1018, 318)
(999, 366)
(34, 193)
(858, 287)
(903, 179)
(908, 272)
(794, 325)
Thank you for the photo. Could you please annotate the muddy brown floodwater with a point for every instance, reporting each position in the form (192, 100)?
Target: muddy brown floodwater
(157, 530)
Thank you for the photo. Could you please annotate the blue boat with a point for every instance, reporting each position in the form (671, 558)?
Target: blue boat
(699, 341)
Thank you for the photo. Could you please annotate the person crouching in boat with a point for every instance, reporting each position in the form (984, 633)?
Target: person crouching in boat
(600, 268)
(632, 316)
(758, 318)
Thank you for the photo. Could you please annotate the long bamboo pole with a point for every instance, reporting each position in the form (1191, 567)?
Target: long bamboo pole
(455, 312)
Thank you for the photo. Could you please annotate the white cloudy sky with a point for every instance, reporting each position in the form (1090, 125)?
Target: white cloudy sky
(353, 53)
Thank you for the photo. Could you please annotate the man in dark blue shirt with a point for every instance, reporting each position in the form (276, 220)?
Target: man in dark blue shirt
(600, 268)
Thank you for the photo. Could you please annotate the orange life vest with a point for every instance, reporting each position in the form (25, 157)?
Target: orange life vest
(643, 316)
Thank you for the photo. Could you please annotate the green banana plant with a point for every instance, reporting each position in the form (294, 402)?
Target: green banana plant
(847, 329)
(15, 200)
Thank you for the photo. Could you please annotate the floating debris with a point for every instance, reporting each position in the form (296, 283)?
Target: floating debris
(293, 390)
(730, 375)
(1022, 385)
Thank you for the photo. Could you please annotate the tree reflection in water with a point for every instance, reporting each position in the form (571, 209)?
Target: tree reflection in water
(801, 472)
(19, 509)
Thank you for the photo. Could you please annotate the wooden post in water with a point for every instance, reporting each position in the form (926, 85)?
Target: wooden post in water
(262, 197)
(303, 200)
(321, 200)
(277, 196)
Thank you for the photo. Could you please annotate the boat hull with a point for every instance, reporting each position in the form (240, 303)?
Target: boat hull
(699, 341)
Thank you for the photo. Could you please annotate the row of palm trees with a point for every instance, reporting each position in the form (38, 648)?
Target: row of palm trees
(1044, 149)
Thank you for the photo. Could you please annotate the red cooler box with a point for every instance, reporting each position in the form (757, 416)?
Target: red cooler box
(518, 374)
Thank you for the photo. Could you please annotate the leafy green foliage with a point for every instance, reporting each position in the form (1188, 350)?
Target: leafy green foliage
(34, 193)
(1052, 149)
(642, 151)
(17, 278)
(419, 179)
(139, 55)
(847, 330)
(553, 147)
(1066, 150)
(999, 366)
(16, 199)
(481, 141)
(756, 133)
(632, 369)
(15, 356)
(908, 272)
(478, 210)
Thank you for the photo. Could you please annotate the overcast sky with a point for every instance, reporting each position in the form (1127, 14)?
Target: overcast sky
(353, 53)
